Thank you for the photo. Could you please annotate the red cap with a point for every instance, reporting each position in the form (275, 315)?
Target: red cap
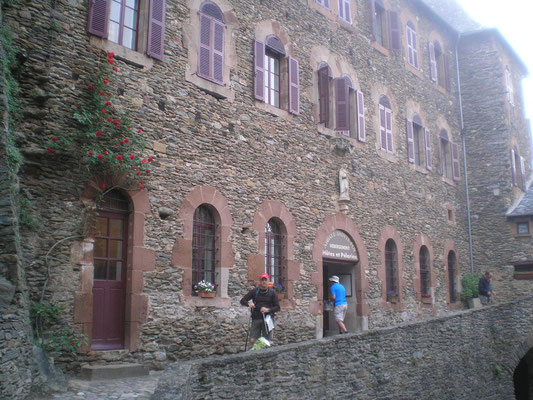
(264, 275)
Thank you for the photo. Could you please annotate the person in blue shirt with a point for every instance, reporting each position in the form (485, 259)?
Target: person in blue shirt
(338, 294)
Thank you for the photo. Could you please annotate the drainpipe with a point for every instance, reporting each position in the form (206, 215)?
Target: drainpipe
(463, 140)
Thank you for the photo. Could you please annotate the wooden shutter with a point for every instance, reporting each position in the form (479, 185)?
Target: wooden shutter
(410, 142)
(294, 86)
(455, 162)
(98, 17)
(427, 138)
(394, 31)
(218, 51)
(382, 128)
(259, 66)
(432, 62)
(447, 72)
(156, 29)
(513, 167)
(341, 9)
(373, 19)
(361, 134)
(323, 95)
(410, 55)
(342, 105)
(388, 119)
(347, 12)
(523, 172)
(205, 53)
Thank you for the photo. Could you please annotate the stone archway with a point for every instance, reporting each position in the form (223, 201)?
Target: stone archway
(523, 377)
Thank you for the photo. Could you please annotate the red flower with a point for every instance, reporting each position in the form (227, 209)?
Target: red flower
(78, 106)
(141, 187)
(98, 133)
(106, 153)
(54, 139)
(111, 61)
(103, 186)
(90, 87)
(109, 118)
(106, 81)
(119, 157)
(116, 121)
(147, 171)
(111, 54)
(100, 156)
(122, 142)
(126, 140)
(107, 103)
(132, 157)
(139, 130)
(91, 152)
(150, 159)
(71, 342)
(103, 110)
(116, 69)
(141, 181)
(135, 168)
(143, 161)
(120, 165)
(138, 172)
(102, 93)
(117, 126)
(50, 150)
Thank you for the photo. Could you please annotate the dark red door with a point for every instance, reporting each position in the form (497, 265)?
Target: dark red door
(109, 289)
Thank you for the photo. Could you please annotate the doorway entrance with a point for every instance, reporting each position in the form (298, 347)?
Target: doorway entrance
(109, 279)
(523, 378)
(345, 272)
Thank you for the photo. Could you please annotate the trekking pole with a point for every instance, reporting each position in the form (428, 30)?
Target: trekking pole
(248, 332)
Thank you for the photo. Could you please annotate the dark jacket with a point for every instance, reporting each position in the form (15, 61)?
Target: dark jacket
(268, 299)
(484, 286)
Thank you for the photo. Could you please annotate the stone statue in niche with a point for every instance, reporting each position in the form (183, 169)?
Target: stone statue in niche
(344, 189)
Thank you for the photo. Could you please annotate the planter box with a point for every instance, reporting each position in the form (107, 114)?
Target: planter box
(474, 302)
(207, 295)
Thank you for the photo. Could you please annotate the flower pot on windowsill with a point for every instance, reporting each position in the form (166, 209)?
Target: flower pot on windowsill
(207, 295)
(281, 296)
(393, 299)
(426, 299)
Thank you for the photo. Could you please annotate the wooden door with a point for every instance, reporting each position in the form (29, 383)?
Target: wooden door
(109, 288)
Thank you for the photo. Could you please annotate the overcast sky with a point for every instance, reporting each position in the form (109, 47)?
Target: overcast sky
(513, 18)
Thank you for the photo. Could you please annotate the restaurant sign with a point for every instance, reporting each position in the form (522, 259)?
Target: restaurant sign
(339, 246)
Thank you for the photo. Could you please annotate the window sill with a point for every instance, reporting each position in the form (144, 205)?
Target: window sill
(387, 156)
(419, 168)
(440, 88)
(381, 49)
(524, 235)
(348, 26)
(523, 276)
(277, 112)
(426, 300)
(214, 89)
(217, 302)
(122, 53)
(413, 70)
(448, 181)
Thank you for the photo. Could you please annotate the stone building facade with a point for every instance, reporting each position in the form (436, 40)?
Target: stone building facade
(285, 131)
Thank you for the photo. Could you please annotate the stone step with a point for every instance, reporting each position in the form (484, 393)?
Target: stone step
(95, 372)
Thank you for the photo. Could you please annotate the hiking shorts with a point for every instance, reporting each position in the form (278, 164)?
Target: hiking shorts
(340, 312)
(259, 329)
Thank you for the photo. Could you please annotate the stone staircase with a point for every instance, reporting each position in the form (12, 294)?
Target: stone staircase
(93, 372)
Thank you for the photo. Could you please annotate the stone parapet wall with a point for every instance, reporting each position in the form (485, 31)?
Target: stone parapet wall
(468, 355)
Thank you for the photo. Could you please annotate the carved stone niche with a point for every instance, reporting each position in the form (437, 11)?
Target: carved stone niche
(342, 145)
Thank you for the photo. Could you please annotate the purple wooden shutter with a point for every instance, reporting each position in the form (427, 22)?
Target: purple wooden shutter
(294, 86)
(361, 134)
(523, 172)
(259, 66)
(447, 72)
(432, 62)
(156, 29)
(323, 94)
(513, 167)
(218, 51)
(205, 56)
(342, 102)
(98, 17)
(382, 128)
(410, 55)
(388, 119)
(415, 51)
(394, 31)
(326, 3)
(455, 162)
(427, 138)
(341, 9)
(373, 19)
(347, 13)
(410, 142)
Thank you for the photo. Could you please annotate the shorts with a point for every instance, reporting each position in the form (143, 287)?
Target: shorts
(259, 329)
(340, 312)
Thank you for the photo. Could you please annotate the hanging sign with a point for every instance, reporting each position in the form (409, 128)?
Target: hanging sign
(339, 246)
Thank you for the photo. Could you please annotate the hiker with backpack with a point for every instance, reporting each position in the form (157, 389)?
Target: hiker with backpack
(262, 301)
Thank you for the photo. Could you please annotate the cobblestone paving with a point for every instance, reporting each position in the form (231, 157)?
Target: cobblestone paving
(128, 388)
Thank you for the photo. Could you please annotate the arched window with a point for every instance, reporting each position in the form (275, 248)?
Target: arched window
(274, 250)
(449, 156)
(418, 143)
(385, 124)
(452, 276)
(203, 245)
(391, 271)
(425, 276)
(412, 51)
(211, 49)
(439, 65)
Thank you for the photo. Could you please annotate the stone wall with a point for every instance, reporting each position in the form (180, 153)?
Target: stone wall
(468, 355)
(248, 155)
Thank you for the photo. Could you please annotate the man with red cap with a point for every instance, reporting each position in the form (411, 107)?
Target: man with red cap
(263, 301)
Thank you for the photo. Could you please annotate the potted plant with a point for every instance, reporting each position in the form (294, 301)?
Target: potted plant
(426, 297)
(470, 291)
(392, 296)
(205, 289)
(279, 290)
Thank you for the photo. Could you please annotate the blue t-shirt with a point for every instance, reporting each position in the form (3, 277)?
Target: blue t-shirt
(340, 294)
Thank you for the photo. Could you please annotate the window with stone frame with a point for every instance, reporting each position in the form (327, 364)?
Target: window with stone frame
(211, 49)
(137, 25)
(518, 169)
(323, 3)
(522, 228)
(385, 124)
(439, 65)
(509, 86)
(345, 11)
(418, 143)
(425, 274)
(385, 26)
(276, 79)
(274, 250)
(412, 45)
(204, 255)
(449, 157)
(341, 106)
(452, 277)
(391, 271)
